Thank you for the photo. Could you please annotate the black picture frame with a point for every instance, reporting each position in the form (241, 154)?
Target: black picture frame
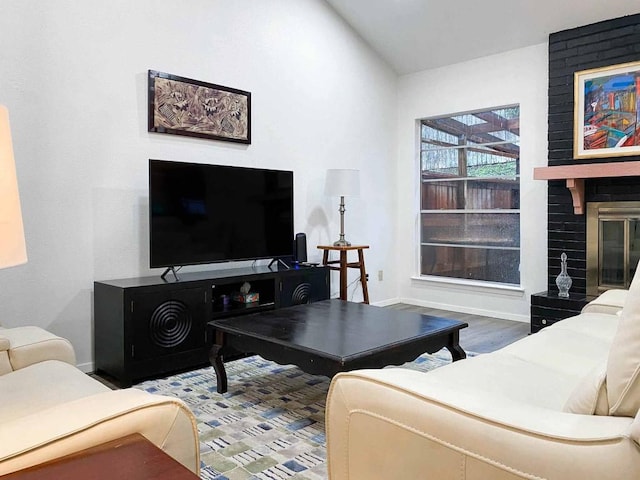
(183, 106)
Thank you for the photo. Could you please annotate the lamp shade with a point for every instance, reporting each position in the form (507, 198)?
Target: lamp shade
(12, 245)
(342, 183)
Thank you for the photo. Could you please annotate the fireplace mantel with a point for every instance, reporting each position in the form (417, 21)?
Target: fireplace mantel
(576, 174)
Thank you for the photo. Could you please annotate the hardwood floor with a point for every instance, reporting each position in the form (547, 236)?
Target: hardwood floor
(484, 334)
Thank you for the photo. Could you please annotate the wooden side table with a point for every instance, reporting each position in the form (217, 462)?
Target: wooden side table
(129, 457)
(343, 264)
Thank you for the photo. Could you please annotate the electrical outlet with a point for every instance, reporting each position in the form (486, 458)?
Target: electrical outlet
(380, 275)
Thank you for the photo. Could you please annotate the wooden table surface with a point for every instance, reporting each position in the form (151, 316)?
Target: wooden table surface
(131, 457)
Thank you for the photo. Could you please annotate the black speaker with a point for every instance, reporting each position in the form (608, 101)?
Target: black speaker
(304, 286)
(300, 248)
(167, 322)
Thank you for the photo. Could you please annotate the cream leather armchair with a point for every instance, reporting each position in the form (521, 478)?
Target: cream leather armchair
(24, 346)
(49, 408)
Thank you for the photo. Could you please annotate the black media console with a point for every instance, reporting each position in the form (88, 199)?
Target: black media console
(148, 327)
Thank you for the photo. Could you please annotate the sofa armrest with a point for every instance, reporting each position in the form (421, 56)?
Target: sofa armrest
(381, 422)
(610, 302)
(29, 345)
(96, 419)
(5, 363)
(4, 343)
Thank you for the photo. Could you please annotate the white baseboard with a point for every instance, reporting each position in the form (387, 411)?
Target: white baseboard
(386, 303)
(86, 367)
(462, 309)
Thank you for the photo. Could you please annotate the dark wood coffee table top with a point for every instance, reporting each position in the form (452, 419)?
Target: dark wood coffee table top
(332, 335)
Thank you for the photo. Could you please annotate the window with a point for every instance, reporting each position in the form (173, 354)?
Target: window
(470, 195)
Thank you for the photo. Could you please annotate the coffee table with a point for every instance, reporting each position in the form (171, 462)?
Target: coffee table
(331, 336)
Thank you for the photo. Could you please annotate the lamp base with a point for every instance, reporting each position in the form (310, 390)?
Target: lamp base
(341, 243)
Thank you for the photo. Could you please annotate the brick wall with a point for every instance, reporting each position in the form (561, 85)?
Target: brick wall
(598, 45)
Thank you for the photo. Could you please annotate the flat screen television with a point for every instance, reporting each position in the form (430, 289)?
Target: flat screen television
(201, 213)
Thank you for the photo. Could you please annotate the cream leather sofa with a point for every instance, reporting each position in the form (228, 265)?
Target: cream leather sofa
(49, 408)
(561, 404)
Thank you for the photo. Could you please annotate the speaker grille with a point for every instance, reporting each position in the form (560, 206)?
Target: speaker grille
(301, 294)
(170, 324)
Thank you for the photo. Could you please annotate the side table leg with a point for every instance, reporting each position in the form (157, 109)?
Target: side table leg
(325, 257)
(215, 357)
(363, 276)
(343, 275)
(457, 353)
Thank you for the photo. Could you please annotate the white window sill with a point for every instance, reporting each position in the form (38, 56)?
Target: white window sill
(472, 285)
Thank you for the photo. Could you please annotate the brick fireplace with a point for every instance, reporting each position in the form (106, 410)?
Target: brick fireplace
(601, 44)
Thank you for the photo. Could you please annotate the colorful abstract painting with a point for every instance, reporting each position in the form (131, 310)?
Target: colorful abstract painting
(182, 106)
(607, 111)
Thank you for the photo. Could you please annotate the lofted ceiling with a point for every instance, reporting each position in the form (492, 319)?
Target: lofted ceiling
(414, 35)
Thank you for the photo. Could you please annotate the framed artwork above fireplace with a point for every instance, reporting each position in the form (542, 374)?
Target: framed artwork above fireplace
(607, 111)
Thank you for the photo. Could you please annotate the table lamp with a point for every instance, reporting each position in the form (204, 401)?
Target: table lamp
(342, 183)
(12, 245)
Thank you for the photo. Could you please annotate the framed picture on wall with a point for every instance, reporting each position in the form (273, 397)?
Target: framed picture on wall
(182, 106)
(607, 111)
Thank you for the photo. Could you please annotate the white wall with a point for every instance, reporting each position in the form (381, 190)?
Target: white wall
(518, 76)
(74, 77)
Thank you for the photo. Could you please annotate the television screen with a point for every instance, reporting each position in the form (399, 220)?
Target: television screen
(214, 213)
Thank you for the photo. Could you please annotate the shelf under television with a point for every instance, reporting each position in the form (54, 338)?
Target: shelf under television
(236, 309)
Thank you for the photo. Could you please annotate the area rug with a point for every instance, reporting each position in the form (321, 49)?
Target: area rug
(269, 425)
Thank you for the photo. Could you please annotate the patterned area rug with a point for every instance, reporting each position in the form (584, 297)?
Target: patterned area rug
(269, 425)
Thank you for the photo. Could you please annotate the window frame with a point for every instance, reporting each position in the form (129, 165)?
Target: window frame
(510, 138)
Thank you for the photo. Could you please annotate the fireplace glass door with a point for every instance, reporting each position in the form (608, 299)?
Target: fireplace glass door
(613, 245)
